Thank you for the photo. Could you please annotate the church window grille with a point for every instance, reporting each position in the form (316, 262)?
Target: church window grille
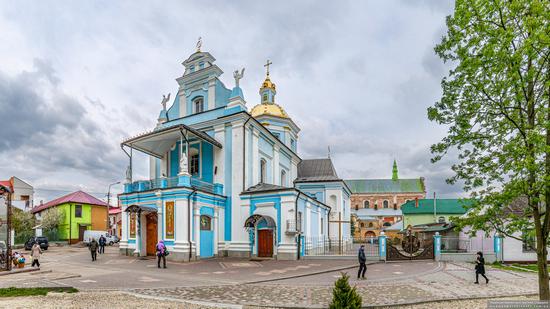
(206, 223)
(198, 105)
(201, 65)
(366, 204)
(386, 204)
(263, 170)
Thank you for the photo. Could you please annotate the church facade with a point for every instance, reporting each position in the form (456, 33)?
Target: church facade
(376, 203)
(222, 179)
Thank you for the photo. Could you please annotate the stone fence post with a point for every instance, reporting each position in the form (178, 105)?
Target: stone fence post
(382, 246)
(437, 246)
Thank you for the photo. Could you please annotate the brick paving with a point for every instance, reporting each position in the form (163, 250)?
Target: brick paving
(450, 281)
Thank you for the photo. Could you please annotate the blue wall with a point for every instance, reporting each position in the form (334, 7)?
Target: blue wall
(207, 164)
(175, 160)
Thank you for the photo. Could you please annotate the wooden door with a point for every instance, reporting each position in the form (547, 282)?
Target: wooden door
(151, 234)
(81, 229)
(265, 243)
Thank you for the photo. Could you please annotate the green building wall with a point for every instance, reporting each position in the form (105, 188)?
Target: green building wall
(71, 223)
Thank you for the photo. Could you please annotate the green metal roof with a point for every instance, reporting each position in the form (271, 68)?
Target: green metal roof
(443, 206)
(386, 185)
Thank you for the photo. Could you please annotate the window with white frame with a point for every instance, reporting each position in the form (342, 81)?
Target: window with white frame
(263, 171)
(366, 204)
(198, 105)
(283, 178)
(386, 204)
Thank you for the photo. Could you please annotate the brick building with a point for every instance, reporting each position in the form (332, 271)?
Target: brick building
(376, 203)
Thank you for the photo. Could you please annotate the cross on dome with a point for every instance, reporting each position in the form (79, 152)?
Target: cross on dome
(267, 64)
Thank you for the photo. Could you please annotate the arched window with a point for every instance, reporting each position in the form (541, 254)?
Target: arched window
(386, 204)
(362, 224)
(283, 178)
(387, 224)
(206, 223)
(371, 224)
(198, 106)
(356, 207)
(263, 170)
(366, 204)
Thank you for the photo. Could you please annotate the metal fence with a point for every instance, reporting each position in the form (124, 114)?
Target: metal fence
(319, 246)
(171, 182)
(458, 244)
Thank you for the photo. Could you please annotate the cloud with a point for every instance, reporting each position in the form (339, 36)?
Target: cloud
(354, 75)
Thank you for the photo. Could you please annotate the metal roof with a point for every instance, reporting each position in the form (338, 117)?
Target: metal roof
(265, 187)
(157, 143)
(442, 206)
(386, 185)
(316, 170)
(79, 197)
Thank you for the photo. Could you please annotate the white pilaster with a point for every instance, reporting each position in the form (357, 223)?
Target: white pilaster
(181, 215)
(255, 157)
(212, 93)
(160, 217)
(197, 228)
(215, 223)
(276, 169)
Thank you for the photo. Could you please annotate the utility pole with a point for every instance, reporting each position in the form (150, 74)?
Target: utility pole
(109, 203)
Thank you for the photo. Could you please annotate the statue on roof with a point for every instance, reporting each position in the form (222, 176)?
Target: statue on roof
(199, 44)
(165, 99)
(184, 169)
(238, 76)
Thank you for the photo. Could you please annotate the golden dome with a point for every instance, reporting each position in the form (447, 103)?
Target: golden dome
(268, 83)
(268, 109)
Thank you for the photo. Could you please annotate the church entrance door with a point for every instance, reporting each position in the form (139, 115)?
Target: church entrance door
(265, 243)
(151, 234)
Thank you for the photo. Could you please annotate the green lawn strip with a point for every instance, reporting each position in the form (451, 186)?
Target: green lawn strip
(15, 292)
(516, 267)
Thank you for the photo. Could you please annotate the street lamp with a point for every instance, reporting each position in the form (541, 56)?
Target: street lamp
(109, 202)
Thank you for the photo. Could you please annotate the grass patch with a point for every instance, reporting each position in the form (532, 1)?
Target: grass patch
(517, 267)
(16, 292)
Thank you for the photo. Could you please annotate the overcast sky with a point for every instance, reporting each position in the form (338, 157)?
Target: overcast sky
(76, 77)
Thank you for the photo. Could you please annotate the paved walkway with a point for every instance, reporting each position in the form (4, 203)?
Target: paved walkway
(308, 283)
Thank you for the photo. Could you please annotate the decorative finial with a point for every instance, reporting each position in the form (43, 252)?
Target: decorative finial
(199, 44)
(267, 64)
(165, 99)
(238, 76)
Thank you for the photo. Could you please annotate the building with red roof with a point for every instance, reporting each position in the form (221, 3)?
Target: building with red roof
(81, 212)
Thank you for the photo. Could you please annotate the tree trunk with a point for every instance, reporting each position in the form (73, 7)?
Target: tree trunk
(542, 265)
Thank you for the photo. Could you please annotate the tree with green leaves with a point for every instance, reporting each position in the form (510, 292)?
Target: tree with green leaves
(495, 104)
(22, 223)
(344, 296)
(52, 218)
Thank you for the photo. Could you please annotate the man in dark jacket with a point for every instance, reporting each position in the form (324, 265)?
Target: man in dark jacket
(362, 261)
(93, 249)
(102, 242)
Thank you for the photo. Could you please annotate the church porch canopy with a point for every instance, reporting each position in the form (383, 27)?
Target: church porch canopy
(140, 208)
(158, 142)
(253, 221)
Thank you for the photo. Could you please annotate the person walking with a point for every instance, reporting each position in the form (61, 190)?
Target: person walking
(161, 253)
(102, 242)
(480, 268)
(93, 249)
(35, 254)
(362, 261)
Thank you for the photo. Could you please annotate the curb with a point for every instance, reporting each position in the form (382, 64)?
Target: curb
(21, 271)
(306, 275)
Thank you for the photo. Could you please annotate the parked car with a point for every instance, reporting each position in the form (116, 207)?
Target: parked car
(42, 241)
(89, 234)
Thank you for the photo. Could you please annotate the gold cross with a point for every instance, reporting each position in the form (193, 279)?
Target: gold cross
(268, 63)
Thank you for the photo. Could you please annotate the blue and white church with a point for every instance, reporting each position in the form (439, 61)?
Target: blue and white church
(228, 181)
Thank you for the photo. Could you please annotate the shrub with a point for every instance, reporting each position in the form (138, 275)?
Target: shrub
(344, 296)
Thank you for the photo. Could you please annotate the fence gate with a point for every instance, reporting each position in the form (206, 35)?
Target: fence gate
(411, 247)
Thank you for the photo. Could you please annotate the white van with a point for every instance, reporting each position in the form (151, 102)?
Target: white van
(89, 234)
